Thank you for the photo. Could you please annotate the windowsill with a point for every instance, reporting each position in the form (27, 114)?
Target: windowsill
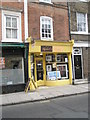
(45, 2)
(47, 39)
(80, 33)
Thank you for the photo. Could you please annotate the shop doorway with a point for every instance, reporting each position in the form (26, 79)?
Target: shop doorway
(39, 69)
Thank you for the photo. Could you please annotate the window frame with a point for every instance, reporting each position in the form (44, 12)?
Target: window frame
(11, 14)
(82, 32)
(66, 70)
(49, 18)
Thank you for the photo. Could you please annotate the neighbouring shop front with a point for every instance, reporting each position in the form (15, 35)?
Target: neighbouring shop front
(50, 62)
(12, 67)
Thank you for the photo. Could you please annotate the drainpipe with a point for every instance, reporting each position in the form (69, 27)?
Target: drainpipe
(26, 19)
(70, 32)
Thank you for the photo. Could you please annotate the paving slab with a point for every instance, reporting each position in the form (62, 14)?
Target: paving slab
(43, 93)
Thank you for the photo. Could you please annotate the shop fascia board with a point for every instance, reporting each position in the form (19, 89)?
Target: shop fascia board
(65, 47)
(22, 45)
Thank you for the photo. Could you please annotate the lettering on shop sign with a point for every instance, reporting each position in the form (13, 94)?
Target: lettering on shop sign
(46, 48)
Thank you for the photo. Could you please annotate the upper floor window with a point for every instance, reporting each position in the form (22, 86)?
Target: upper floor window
(82, 22)
(46, 1)
(11, 26)
(46, 28)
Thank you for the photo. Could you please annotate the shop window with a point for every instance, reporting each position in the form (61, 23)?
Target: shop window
(46, 28)
(49, 58)
(82, 22)
(61, 58)
(11, 26)
(13, 70)
(63, 70)
(57, 67)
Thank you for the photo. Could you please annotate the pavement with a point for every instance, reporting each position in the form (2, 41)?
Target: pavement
(43, 93)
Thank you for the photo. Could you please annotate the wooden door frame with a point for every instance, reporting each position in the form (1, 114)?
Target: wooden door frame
(39, 82)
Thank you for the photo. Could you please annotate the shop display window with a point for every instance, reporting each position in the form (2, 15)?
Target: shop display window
(48, 58)
(63, 70)
(13, 71)
(61, 58)
(56, 66)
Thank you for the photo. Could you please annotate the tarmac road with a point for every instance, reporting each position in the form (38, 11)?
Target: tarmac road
(66, 107)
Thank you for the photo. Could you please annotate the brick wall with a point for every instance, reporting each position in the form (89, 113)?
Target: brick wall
(13, 5)
(59, 16)
(79, 37)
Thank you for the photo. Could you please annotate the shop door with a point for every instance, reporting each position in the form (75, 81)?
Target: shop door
(78, 66)
(39, 69)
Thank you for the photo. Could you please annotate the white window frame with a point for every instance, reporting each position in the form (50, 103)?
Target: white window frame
(66, 70)
(83, 32)
(19, 32)
(45, 17)
(45, 1)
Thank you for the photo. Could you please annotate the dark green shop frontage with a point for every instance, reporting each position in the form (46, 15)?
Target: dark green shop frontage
(13, 67)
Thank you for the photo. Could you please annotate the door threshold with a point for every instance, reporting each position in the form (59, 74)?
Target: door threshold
(80, 81)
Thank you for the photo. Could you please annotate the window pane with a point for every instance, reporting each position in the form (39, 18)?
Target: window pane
(81, 18)
(49, 31)
(49, 35)
(49, 26)
(42, 35)
(8, 22)
(8, 33)
(14, 22)
(42, 30)
(14, 34)
(45, 30)
(42, 25)
(45, 26)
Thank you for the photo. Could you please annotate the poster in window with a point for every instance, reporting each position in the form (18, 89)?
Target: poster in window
(48, 58)
(2, 62)
(49, 68)
(53, 75)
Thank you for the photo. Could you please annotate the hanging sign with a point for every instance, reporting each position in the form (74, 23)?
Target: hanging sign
(46, 48)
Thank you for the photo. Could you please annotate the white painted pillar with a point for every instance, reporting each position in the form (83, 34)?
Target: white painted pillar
(26, 19)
